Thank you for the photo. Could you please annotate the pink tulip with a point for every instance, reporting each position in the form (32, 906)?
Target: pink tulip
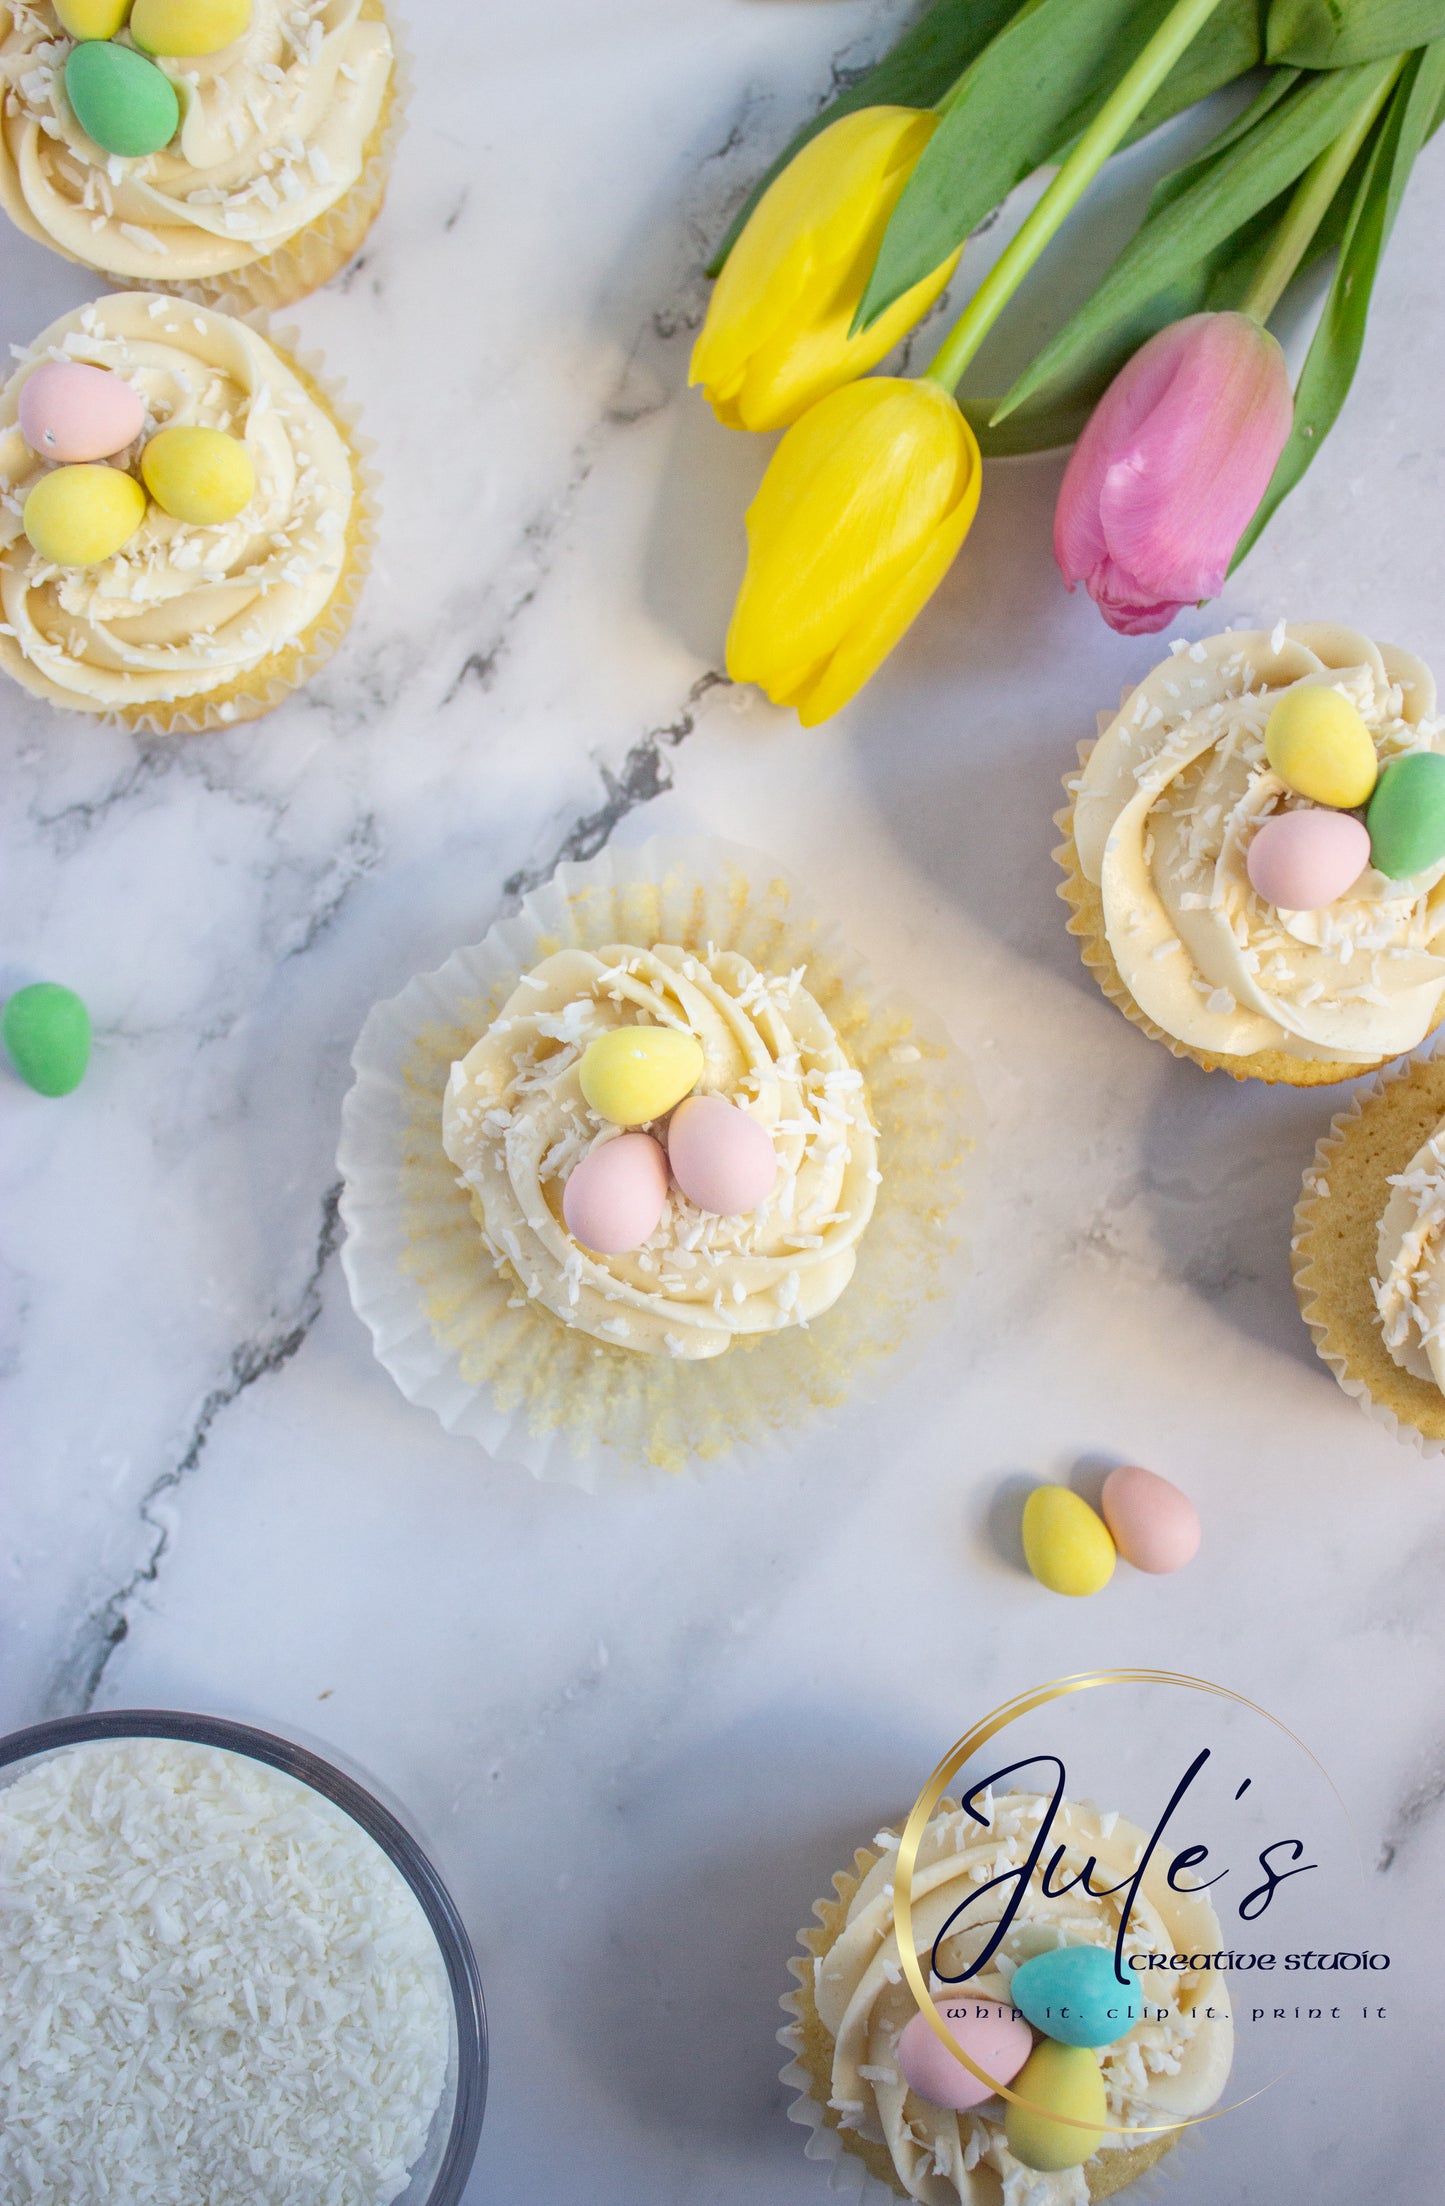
(1171, 469)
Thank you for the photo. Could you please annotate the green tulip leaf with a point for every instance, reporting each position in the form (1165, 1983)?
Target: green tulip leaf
(1032, 89)
(1334, 355)
(1335, 34)
(1182, 234)
(915, 73)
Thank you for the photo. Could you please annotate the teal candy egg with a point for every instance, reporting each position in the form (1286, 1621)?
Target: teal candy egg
(46, 1029)
(1074, 1996)
(1406, 818)
(121, 100)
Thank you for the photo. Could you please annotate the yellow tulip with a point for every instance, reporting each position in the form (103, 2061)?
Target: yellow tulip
(856, 522)
(776, 335)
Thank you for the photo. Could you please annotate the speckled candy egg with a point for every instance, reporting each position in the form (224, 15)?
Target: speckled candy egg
(722, 1158)
(92, 18)
(1406, 818)
(188, 27)
(1320, 747)
(1155, 1527)
(46, 1030)
(634, 1074)
(80, 516)
(122, 102)
(1059, 2079)
(69, 411)
(199, 475)
(1066, 1545)
(991, 2035)
(1301, 861)
(1074, 1996)
(614, 1198)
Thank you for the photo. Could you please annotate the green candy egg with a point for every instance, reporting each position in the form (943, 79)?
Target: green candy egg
(46, 1029)
(1406, 818)
(121, 100)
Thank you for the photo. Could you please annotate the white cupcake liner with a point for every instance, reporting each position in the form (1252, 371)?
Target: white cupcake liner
(535, 1392)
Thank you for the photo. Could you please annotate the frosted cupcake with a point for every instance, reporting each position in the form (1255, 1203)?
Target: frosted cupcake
(233, 149)
(653, 1173)
(1369, 1252)
(200, 570)
(1255, 852)
(1158, 2056)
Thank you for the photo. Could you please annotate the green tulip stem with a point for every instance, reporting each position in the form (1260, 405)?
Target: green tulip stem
(1110, 126)
(1311, 203)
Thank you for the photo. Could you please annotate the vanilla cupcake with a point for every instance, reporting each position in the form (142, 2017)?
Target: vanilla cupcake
(1368, 1252)
(853, 2005)
(652, 1174)
(265, 183)
(1174, 836)
(186, 624)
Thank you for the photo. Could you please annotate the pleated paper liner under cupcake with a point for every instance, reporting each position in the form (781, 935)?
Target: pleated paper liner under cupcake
(1334, 1250)
(456, 1335)
(862, 2167)
(1086, 906)
(260, 689)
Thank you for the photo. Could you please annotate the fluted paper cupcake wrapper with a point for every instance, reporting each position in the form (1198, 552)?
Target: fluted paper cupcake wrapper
(1340, 1312)
(855, 2168)
(534, 1391)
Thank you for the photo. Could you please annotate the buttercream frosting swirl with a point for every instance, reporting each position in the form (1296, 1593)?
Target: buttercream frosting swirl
(1172, 2064)
(1410, 1289)
(274, 133)
(181, 610)
(1167, 805)
(515, 1123)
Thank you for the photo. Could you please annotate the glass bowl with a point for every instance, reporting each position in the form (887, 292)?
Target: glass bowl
(439, 2177)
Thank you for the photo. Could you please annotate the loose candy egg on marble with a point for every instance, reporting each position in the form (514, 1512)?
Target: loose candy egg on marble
(185, 28)
(1073, 1996)
(79, 516)
(197, 475)
(722, 1158)
(92, 18)
(69, 411)
(634, 1074)
(1301, 861)
(1320, 747)
(1406, 819)
(1066, 1545)
(614, 1198)
(46, 1032)
(1154, 1526)
(991, 2035)
(1061, 2080)
(122, 101)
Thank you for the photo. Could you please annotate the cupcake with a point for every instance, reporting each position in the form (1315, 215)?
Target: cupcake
(652, 1173)
(1368, 1252)
(184, 517)
(1139, 2059)
(1255, 850)
(236, 150)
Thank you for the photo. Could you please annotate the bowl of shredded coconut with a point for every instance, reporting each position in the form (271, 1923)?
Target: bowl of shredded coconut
(231, 1975)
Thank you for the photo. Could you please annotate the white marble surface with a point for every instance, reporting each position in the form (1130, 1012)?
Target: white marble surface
(643, 1731)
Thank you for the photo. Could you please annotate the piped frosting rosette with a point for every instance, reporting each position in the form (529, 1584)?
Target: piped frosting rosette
(719, 1335)
(273, 177)
(853, 2002)
(1168, 804)
(190, 626)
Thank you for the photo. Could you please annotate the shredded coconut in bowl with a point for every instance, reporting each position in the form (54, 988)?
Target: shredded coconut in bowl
(217, 1989)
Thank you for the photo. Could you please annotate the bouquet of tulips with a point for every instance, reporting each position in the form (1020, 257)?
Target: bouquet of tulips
(1167, 380)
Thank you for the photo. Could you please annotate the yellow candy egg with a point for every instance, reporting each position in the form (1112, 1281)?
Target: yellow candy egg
(78, 516)
(1066, 1545)
(1065, 2080)
(92, 18)
(199, 475)
(185, 27)
(1318, 744)
(635, 1074)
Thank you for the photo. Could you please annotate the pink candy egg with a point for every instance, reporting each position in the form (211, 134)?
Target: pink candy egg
(1301, 861)
(722, 1159)
(614, 1197)
(71, 412)
(998, 2039)
(1155, 1527)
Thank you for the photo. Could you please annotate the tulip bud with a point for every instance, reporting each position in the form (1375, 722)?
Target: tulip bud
(1171, 468)
(856, 522)
(776, 337)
